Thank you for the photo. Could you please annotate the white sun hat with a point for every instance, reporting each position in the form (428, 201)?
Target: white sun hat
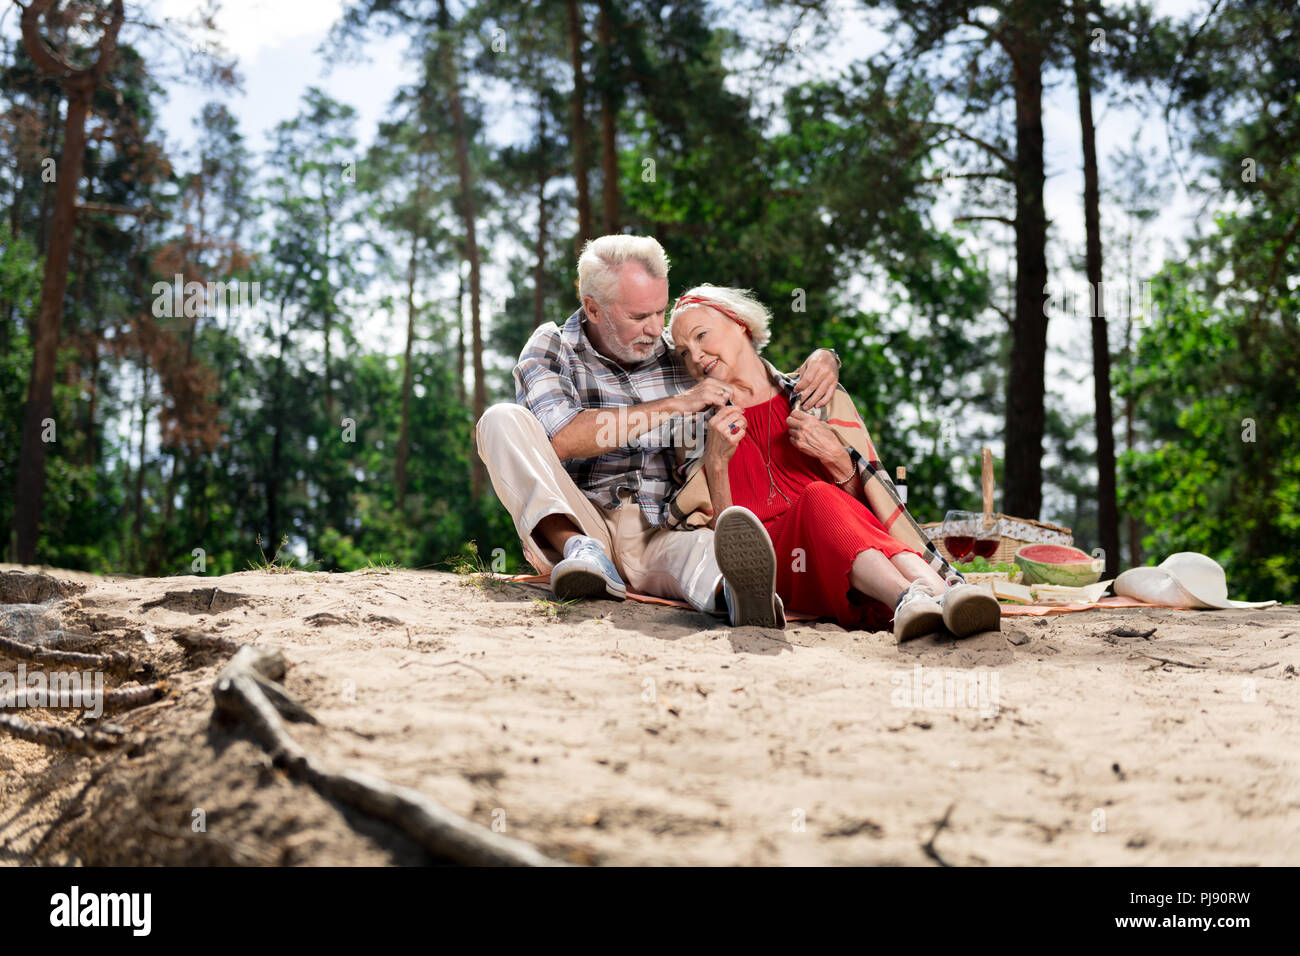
(1187, 579)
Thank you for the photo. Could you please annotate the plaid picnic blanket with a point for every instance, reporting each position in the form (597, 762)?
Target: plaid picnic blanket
(1008, 610)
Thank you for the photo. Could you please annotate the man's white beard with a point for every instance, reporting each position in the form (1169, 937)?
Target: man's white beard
(626, 354)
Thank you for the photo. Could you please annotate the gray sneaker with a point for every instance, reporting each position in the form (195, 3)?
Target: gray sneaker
(748, 563)
(917, 613)
(968, 609)
(587, 573)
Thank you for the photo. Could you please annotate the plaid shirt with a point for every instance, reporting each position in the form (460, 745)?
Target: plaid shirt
(560, 374)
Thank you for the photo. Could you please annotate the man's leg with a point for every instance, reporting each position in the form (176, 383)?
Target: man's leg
(545, 504)
(672, 564)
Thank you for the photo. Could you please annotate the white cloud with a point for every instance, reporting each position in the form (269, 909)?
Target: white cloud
(251, 26)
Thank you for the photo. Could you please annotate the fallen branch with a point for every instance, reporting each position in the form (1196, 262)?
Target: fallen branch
(239, 694)
(446, 664)
(84, 742)
(1261, 667)
(1170, 660)
(118, 663)
(928, 846)
(1122, 631)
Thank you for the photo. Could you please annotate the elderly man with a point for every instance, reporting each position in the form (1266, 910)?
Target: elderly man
(583, 462)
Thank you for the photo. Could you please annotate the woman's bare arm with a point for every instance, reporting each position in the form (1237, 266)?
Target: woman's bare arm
(719, 489)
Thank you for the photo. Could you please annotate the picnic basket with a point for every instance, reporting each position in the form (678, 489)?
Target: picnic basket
(1016, 532)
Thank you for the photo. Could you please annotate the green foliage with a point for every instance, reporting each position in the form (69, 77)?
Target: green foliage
(815, 194)
(1219, 394)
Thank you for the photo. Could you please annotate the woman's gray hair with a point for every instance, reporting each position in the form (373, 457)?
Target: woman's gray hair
(604, 257)
(741, 303)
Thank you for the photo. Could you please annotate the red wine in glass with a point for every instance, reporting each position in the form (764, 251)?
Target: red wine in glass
(984, 547)
(959, 545)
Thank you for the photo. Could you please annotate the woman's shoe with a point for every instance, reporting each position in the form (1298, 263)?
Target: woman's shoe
(748, 564)
(918, 613)
(968, 609)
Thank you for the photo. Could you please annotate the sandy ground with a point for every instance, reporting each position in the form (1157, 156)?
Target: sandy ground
(624, 733)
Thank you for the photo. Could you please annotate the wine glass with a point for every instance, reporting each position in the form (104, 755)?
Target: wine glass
(987, 537)
(959, 529)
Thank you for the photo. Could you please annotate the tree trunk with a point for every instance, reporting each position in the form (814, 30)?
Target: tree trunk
(43, 216)
(157, 551)
(330, 405)
(460, 331)
(578, 121)
(92, 433)
(408, 375)
(1023, 484)
(608, 118)
(478, 473)
(1107, 507)
(138, 530)
(543, 176)
(1134, 541)
(79, 86)
(49, 321)
(408, 382)
(277, 444)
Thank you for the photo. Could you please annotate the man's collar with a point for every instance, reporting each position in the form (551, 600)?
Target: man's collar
(572, 331)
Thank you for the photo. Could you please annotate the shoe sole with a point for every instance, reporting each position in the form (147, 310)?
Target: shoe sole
(920, 625)
(748, 561)
(972, 615)
(578, 583)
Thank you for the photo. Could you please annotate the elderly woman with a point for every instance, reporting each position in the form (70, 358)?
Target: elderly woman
(845, 546)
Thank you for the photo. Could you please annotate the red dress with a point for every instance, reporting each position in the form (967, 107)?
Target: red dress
(817, 533)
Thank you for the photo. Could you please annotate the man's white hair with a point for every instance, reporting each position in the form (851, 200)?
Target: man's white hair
(741, 303)
(604, 257)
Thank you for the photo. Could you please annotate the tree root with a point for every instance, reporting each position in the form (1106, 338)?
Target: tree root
(239, 693)
(117, 663)
(128, 698)
(114, 701)
(84, 742)
(195, 641)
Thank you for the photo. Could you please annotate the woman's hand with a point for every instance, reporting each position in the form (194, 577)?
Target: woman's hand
(814, 438)
(726, 429)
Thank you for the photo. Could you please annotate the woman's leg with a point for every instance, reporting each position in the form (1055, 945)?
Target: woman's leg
(913, 567)
(875, 576)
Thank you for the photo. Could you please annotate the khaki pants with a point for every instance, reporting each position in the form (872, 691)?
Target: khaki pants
(530, 481)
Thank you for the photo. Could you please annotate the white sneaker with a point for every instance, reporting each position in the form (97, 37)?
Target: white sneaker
(587, 573)
(917, 613)
(748, 563)
(968, 609)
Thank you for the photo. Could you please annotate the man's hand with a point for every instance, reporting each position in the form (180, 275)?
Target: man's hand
(704, 394)
(818, 376)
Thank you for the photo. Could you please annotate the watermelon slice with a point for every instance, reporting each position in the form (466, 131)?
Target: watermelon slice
(1057, 564)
